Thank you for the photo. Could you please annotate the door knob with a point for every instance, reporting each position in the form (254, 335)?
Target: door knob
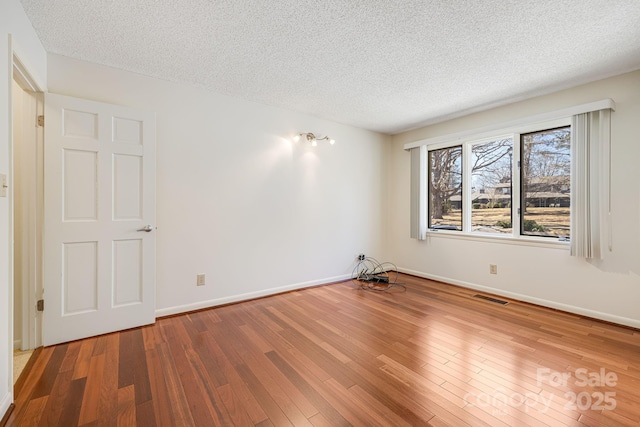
(146, 228)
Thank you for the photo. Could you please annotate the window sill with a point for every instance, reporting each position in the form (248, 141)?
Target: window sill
(541, 242)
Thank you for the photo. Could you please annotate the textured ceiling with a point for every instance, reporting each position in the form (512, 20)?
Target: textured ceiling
(382, 65)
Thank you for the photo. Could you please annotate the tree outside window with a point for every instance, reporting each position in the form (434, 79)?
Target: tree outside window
(546, 182)
(445, 188)
(544, 193)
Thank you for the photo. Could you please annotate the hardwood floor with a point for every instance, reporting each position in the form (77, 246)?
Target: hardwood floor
(336, 355)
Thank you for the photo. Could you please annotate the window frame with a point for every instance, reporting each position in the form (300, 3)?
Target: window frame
(462, 190)
(467, 142)
(522, 201)
(467, 154)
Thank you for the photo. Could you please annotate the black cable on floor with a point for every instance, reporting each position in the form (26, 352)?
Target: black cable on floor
(371, 275)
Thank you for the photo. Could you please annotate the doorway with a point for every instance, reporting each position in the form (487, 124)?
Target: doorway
(26, 177)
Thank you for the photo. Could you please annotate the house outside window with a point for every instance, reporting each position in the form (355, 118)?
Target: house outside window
(546, 182)
(489, 185)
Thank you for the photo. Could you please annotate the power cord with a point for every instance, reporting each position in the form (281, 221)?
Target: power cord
(371, 275)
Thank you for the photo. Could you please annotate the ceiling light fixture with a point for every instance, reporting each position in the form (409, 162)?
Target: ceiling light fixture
(311, 138)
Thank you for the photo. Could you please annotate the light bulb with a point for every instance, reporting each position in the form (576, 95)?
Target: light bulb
(314, 142)
(332, 141)
(296, 138)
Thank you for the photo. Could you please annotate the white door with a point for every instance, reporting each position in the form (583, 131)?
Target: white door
(99, 218)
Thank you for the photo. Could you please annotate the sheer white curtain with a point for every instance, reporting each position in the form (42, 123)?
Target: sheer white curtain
(590, 170)
(418, 193)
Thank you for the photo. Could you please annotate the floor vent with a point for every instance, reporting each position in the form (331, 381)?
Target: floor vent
(495, 300)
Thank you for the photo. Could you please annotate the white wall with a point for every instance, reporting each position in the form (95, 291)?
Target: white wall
(237, 200)
(27, 46)
(608, 290)
(17, 204)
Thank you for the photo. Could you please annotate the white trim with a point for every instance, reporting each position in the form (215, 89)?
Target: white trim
(487, 131)
(11, 257)
(625, 321)
(504, 238)
(37, 82)
(7, 400)
(32, 285)
(22, 76)
(248, 296)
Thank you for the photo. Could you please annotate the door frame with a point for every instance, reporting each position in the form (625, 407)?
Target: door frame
(32, 289)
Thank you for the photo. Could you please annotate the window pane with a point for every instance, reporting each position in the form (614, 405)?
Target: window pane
(445, 188)
(491, 186)
(546, 178)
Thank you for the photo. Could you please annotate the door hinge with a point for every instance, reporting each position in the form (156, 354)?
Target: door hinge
(40, 305)
(519, 163)
(40, 120)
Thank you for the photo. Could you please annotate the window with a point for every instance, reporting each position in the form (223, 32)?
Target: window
(546, 180)
(488, 185)
(491, 169)
(538, 178)
(445, 188)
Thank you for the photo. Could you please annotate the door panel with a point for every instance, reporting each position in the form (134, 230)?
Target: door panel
(99, 268)
(127, 257)
(79, 189)
(128, 191)
(79, 277)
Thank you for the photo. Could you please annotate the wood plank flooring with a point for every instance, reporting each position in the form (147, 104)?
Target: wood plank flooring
(336, 355)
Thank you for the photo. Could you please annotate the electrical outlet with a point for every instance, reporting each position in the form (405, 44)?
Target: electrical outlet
(493, 269)
(200, 279)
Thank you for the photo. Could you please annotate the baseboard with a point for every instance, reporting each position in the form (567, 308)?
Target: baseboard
(17, 344)
(6, 406)
(169, 311)
(607, 317)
